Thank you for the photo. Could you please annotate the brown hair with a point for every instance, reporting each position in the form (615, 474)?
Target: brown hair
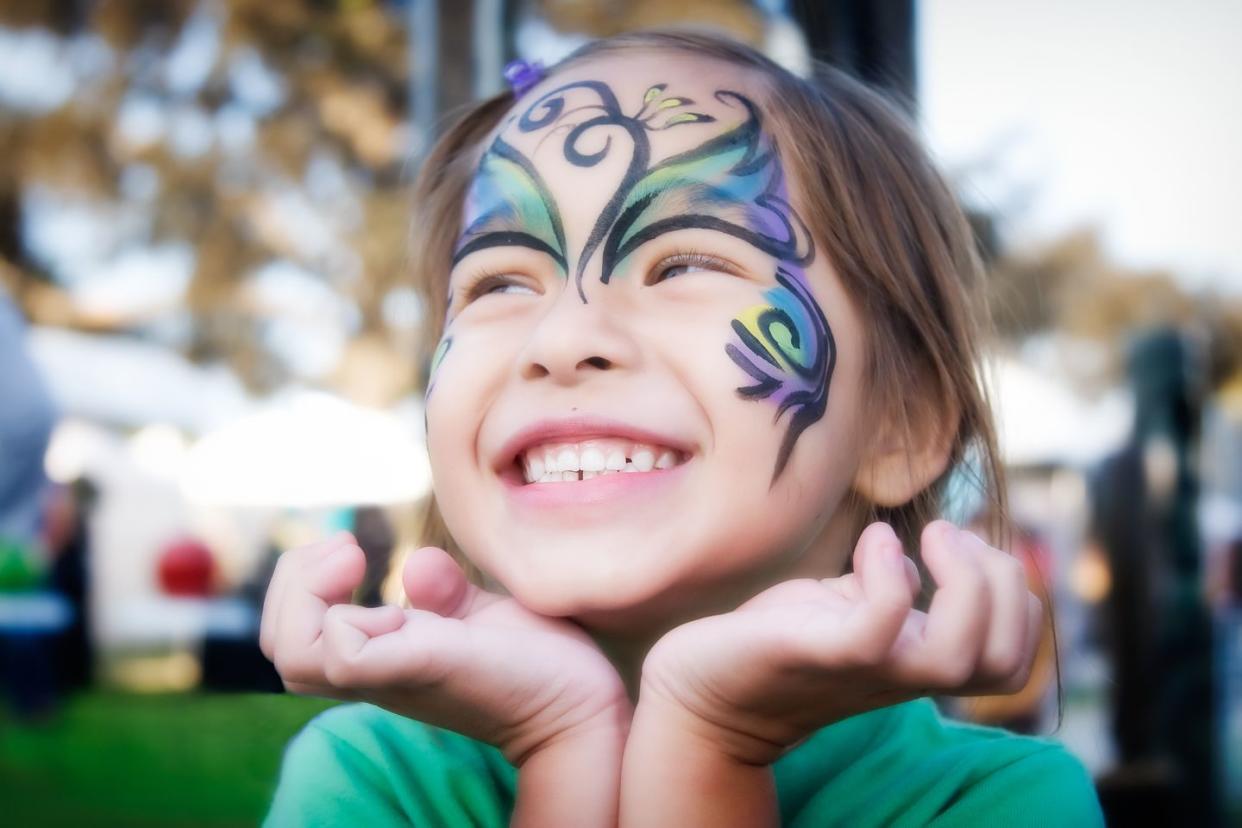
(878, 208)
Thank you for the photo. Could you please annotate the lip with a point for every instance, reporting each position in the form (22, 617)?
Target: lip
(576, 429)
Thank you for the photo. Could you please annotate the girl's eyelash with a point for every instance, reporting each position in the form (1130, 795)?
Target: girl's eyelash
(693, 258)
(483, 281)
(479, 284)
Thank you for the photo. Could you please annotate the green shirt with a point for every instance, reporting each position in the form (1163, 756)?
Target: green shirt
(901, 765)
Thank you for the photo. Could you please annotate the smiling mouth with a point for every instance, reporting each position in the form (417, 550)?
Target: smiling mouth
(562, 462)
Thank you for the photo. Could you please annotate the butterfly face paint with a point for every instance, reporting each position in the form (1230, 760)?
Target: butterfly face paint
(787, 348)
(731, 184)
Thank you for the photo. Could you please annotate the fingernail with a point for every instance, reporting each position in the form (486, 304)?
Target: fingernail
(340, 550)
(952, 537)
(893, 556)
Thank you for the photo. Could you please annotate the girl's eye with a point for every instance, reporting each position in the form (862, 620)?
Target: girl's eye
(496, 283)
(683, 263)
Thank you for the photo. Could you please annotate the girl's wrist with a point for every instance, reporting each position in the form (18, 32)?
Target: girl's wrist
(574, 779)
(681, 769)
(660, 712)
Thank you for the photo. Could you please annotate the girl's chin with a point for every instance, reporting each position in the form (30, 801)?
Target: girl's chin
(616, 606)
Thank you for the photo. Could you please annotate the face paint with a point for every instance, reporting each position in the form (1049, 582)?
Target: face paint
(436, 359)
(652, 116)
(732, 184)
(509, 205)
(787, 348)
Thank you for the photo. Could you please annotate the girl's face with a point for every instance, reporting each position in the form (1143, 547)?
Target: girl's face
(645, 405)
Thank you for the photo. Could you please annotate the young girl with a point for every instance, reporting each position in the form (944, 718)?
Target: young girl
(703, 323)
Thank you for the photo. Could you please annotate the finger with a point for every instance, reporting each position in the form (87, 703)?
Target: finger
(957, 619)
(434, 582)
(313, 586)
(323, 691)
(912, 575)
(846, 586)
(271, 608)
(274, 597)
(1034, 635)
(373, 648)
(1004, 650)
(887, 597)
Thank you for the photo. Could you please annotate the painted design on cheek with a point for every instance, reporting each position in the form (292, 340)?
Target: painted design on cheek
(436, 359)
(787, 348)
(511, 206)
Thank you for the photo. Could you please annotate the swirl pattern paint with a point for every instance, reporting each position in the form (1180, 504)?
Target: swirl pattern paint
(787, 348)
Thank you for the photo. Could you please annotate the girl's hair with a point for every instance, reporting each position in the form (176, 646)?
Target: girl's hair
(879, 210)
(874, 204)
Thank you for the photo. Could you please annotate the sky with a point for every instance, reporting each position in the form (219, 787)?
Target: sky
(1124, 116)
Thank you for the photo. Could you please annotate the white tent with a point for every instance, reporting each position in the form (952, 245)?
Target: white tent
(1042, 420)
(130, 383)
(310, 449)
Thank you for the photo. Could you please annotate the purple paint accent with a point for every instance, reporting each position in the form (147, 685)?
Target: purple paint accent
(522, 75)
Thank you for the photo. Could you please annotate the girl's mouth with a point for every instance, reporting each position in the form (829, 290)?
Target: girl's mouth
(561, 462)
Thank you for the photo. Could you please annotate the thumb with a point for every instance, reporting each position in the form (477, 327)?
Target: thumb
(434, 582)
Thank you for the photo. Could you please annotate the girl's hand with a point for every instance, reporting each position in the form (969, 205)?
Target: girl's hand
(806, 653)
(462, 658)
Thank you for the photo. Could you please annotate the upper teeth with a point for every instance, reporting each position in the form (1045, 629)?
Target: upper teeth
(553, 462)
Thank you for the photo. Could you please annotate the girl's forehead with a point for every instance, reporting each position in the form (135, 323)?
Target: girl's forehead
(664, 88)
(668, 127)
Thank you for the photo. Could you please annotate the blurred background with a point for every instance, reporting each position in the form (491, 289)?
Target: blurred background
(207, 354)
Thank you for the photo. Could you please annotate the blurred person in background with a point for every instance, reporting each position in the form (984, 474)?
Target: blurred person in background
(375, 537)
(27, 415)
(29, 620)
(67, 538)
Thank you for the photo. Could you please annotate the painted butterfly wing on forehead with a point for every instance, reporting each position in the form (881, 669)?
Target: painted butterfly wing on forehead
(731, 184)
(509, 204)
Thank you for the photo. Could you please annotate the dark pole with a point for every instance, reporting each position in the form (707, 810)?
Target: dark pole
(1160, 627)
(873, 41)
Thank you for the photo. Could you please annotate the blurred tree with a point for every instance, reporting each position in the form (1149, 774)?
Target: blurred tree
(598, 19)
(1071, 285)
(255, 131)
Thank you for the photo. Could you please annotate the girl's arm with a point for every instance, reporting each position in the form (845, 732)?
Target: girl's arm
(574, 780)
(675, 774)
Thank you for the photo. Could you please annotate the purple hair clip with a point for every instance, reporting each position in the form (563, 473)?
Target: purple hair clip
(522, 75)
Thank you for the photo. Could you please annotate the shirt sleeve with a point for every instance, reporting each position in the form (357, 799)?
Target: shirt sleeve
(1048, 787)
(324, 781)
(359, 765)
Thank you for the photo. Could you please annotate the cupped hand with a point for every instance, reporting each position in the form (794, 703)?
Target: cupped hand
(806, 653)
(461, 658)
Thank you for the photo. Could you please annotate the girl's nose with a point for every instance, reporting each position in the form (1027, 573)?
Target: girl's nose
(576, 340)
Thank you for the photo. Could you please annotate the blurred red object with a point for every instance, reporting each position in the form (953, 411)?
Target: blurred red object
(187, 568)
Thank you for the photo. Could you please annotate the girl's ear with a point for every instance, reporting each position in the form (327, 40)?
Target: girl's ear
(907, 457)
